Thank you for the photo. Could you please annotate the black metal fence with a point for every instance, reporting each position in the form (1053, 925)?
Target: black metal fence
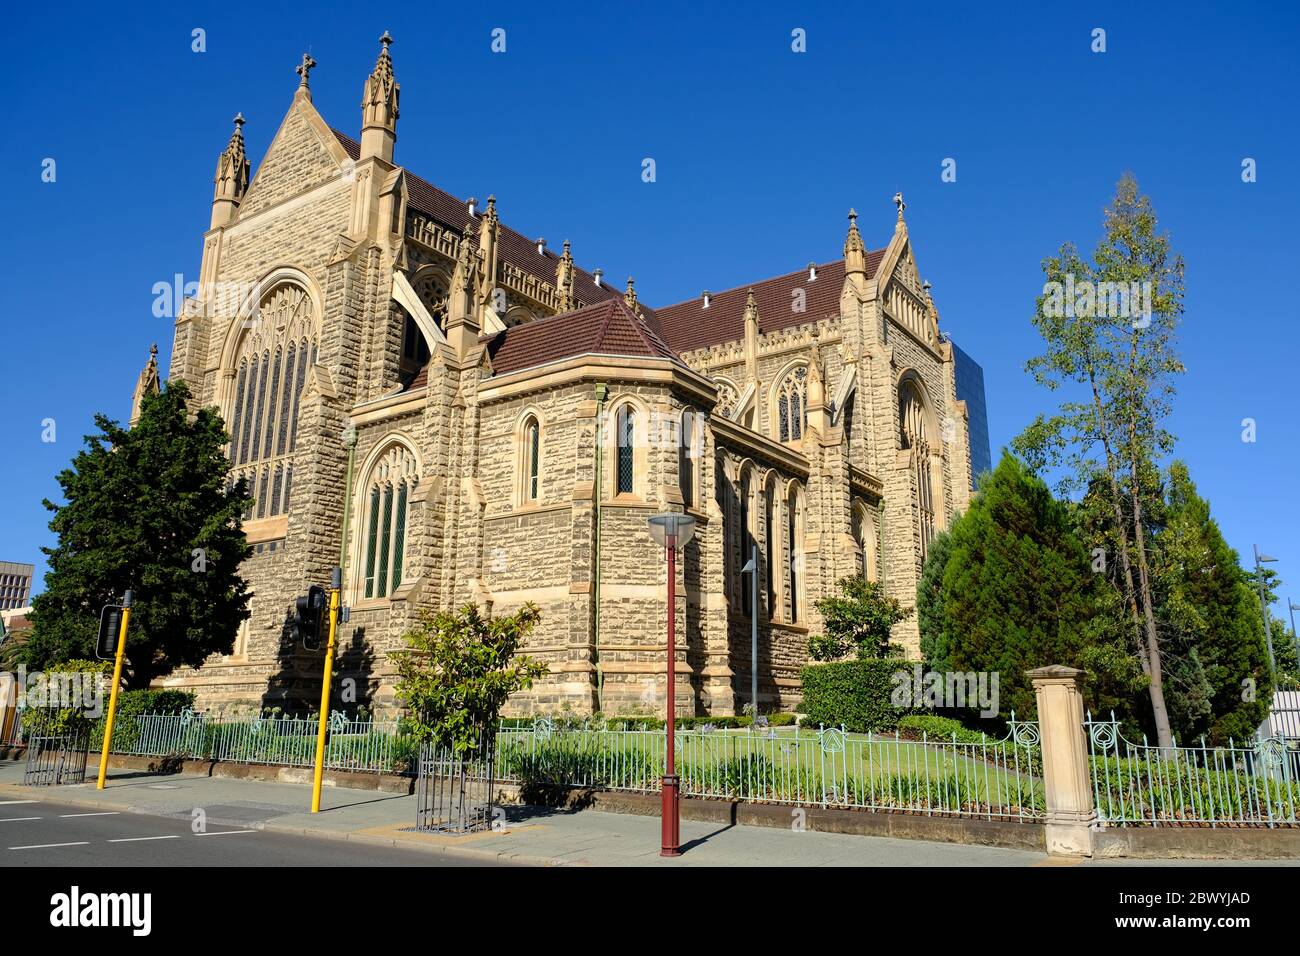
(57, 759)
(456, 792)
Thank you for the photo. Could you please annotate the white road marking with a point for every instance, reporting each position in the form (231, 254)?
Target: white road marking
(47, 846)
(101, 813)
(170, 836)
(10, 803)
(223, 832)
(16, 819)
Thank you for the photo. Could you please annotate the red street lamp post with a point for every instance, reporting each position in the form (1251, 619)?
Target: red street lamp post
(671, 531)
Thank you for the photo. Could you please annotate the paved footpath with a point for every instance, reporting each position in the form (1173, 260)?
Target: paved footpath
(530, 835)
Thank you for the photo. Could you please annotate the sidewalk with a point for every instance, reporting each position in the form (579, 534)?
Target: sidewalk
(531, 835)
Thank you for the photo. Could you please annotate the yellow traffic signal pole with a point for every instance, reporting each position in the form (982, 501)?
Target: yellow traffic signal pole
(112, 695)
(335, 587)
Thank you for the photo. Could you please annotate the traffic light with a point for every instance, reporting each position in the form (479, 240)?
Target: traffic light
(110, 627)
(307, 617)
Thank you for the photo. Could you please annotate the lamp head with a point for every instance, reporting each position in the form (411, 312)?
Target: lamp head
(680, 527)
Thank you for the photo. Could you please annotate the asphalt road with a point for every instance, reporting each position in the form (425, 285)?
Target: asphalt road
(48, 833)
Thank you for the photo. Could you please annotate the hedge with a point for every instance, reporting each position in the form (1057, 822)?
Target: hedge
(941, 728)
(154, 702)
(637, 722)
(853, 693)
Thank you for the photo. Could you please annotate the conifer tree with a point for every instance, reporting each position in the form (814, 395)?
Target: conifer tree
(1209, 619)
(152, 509)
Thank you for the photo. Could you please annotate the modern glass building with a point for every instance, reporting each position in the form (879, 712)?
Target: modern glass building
(970, 389)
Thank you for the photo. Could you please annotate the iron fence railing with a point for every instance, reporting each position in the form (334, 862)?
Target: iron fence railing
(993, 779)
(1255, 783)
(365, 745)
(57, 759)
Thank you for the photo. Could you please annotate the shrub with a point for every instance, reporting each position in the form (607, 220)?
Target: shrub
(64, 698)
(853, 693)
(154, 702)
(944, 728)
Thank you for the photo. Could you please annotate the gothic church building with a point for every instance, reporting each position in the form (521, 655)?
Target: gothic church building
(456, 413)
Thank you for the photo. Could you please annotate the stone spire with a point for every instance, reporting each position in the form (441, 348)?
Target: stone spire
(303, 70)
(232, 177)
(751, 337)
(146, 384)
(816, 410)
(463, 323)
(488, 230)
(855, 253)
(379, 107)
(564, 280)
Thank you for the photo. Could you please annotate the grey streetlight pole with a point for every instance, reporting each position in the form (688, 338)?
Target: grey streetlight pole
(1260, 561)
(751, 568)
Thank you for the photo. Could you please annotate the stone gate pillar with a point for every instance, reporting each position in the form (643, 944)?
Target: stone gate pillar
(1067, 783)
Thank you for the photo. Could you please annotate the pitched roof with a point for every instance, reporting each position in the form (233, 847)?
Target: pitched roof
(517, 249)
(606, 328)
(606, 325)
(688, 325)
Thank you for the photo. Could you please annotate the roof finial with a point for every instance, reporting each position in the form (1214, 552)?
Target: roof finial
(153, 352)
(239, 121)
(630, 295)
(898, 201)
(304, 69)
(855, 253)
(386, 39)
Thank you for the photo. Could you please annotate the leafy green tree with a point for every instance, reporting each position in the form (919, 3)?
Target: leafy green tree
(1209, 621)
(1123, 361)
(458, 670)
(153, 509)
(858, 619)
(1016, 592)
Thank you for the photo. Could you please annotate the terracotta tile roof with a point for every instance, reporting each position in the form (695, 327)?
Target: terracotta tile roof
(688, 325)
(517, 249)
(606, 328)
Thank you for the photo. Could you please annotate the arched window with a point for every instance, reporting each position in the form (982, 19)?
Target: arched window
(625, 435)
(864, 536)
(391, 483)
(773, 546)
(687, 452)
(791, 404)
(271, 360)
(794, 551)
(746, 538)
(727, 397)
(847, 417)
(913, 434)
(531, 461)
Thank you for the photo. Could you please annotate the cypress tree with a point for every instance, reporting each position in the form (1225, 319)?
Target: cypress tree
(151, 508)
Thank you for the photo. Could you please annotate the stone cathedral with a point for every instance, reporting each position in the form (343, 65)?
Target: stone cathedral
(455, 413)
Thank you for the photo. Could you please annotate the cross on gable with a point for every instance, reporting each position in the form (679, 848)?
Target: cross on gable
(305, 68)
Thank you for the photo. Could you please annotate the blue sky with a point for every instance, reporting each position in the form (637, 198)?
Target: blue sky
(760, 151)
